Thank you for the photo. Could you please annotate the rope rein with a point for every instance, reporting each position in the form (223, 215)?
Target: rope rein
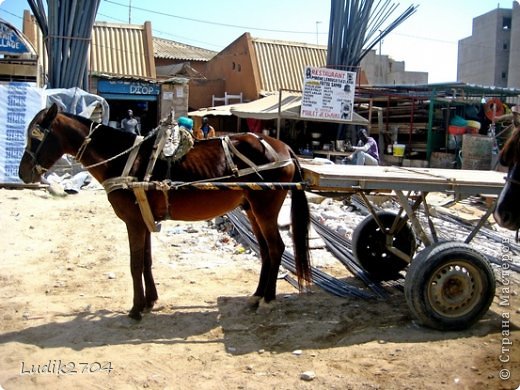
(87, 140)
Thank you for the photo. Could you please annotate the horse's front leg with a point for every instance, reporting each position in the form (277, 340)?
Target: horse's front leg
(137, 242)
(149, 284)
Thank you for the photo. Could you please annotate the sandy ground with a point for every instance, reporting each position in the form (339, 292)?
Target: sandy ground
(65, 289)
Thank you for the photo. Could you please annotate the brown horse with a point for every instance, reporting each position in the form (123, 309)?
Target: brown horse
(507, 211)
(104, 152)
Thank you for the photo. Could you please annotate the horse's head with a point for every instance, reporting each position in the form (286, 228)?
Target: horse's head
(507, 211)
(42, 148)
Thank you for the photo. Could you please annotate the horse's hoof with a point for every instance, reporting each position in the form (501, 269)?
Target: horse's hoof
(266, 307)
(135, 315)
(149, 307)
(253, 300)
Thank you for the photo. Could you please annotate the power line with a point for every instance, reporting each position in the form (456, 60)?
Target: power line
(10, 13)
(247, 28)
(178, 37)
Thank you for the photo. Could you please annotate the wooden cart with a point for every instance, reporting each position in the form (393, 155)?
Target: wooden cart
(448, 285)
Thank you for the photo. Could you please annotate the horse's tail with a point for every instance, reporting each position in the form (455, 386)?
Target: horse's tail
(300, 222)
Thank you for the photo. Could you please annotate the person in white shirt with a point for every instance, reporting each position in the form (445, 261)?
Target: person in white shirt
(131, 124)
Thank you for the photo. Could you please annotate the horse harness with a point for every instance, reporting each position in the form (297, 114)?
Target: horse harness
(510, 179)
(126, 181)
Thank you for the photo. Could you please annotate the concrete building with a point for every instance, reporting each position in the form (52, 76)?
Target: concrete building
(256, 67)
(490, 55)
(384, 70)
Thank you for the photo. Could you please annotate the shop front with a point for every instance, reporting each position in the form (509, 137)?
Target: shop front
(142, 97)
(149, 100)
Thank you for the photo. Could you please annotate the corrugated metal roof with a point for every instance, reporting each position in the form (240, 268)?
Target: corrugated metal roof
(120, 49)
(164, 48)
(281, 64)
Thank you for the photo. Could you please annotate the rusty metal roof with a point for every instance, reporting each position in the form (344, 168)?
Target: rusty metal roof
(164, 48)
(281, 63)
(122, 49)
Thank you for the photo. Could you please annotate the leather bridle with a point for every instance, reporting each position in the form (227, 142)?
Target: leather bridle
(40, 134)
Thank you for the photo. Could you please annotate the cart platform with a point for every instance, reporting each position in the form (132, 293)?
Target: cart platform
(353, 178)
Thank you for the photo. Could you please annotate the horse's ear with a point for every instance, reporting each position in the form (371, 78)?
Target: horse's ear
(50, 115)
(52, 112)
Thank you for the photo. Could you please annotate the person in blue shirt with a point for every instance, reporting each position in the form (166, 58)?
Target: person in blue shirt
(205, 131)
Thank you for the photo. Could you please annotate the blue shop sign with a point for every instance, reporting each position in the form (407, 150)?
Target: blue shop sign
(11, 42)
(127, 87)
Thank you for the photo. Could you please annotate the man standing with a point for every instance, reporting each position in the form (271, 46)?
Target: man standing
(131, 124)
(367, 153)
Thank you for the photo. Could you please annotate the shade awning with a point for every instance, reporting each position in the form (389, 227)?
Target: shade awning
(224, 110)
(271, 107)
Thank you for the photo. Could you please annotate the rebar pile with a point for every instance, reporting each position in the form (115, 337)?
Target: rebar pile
(356, 26)
(67, 33)
(326, 282)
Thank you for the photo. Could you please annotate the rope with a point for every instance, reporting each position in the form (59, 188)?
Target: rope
(152, 133)
(86, 141)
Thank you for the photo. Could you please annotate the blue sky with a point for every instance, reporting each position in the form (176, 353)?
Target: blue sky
(427, 41)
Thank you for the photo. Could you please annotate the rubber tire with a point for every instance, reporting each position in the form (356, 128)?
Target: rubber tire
(420, 285)
(368, 247)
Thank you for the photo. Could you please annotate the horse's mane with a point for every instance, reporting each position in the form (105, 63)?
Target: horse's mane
(510, 153)
(88, 122)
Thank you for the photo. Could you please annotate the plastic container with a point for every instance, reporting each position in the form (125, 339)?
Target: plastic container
(458, 121)
(399, 150)
(456, 130)
(474, 124)
(473, 127)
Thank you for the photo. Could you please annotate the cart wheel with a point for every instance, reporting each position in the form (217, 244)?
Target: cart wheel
(449, 286)
(368, 246)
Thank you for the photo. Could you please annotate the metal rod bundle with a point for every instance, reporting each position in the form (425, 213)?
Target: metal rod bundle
(67, 33)
(341, 248)
(356, 26)
(326, 282)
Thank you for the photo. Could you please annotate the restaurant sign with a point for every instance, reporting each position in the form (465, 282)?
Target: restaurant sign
(328, 94)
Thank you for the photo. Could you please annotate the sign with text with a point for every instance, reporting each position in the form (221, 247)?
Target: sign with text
(19, 103)
(128, 87)
(328, 94)
(10, 40)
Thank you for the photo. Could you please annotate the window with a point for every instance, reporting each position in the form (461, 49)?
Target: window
(506, 23)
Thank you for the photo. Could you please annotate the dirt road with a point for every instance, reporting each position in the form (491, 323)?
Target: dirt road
(65, 289)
